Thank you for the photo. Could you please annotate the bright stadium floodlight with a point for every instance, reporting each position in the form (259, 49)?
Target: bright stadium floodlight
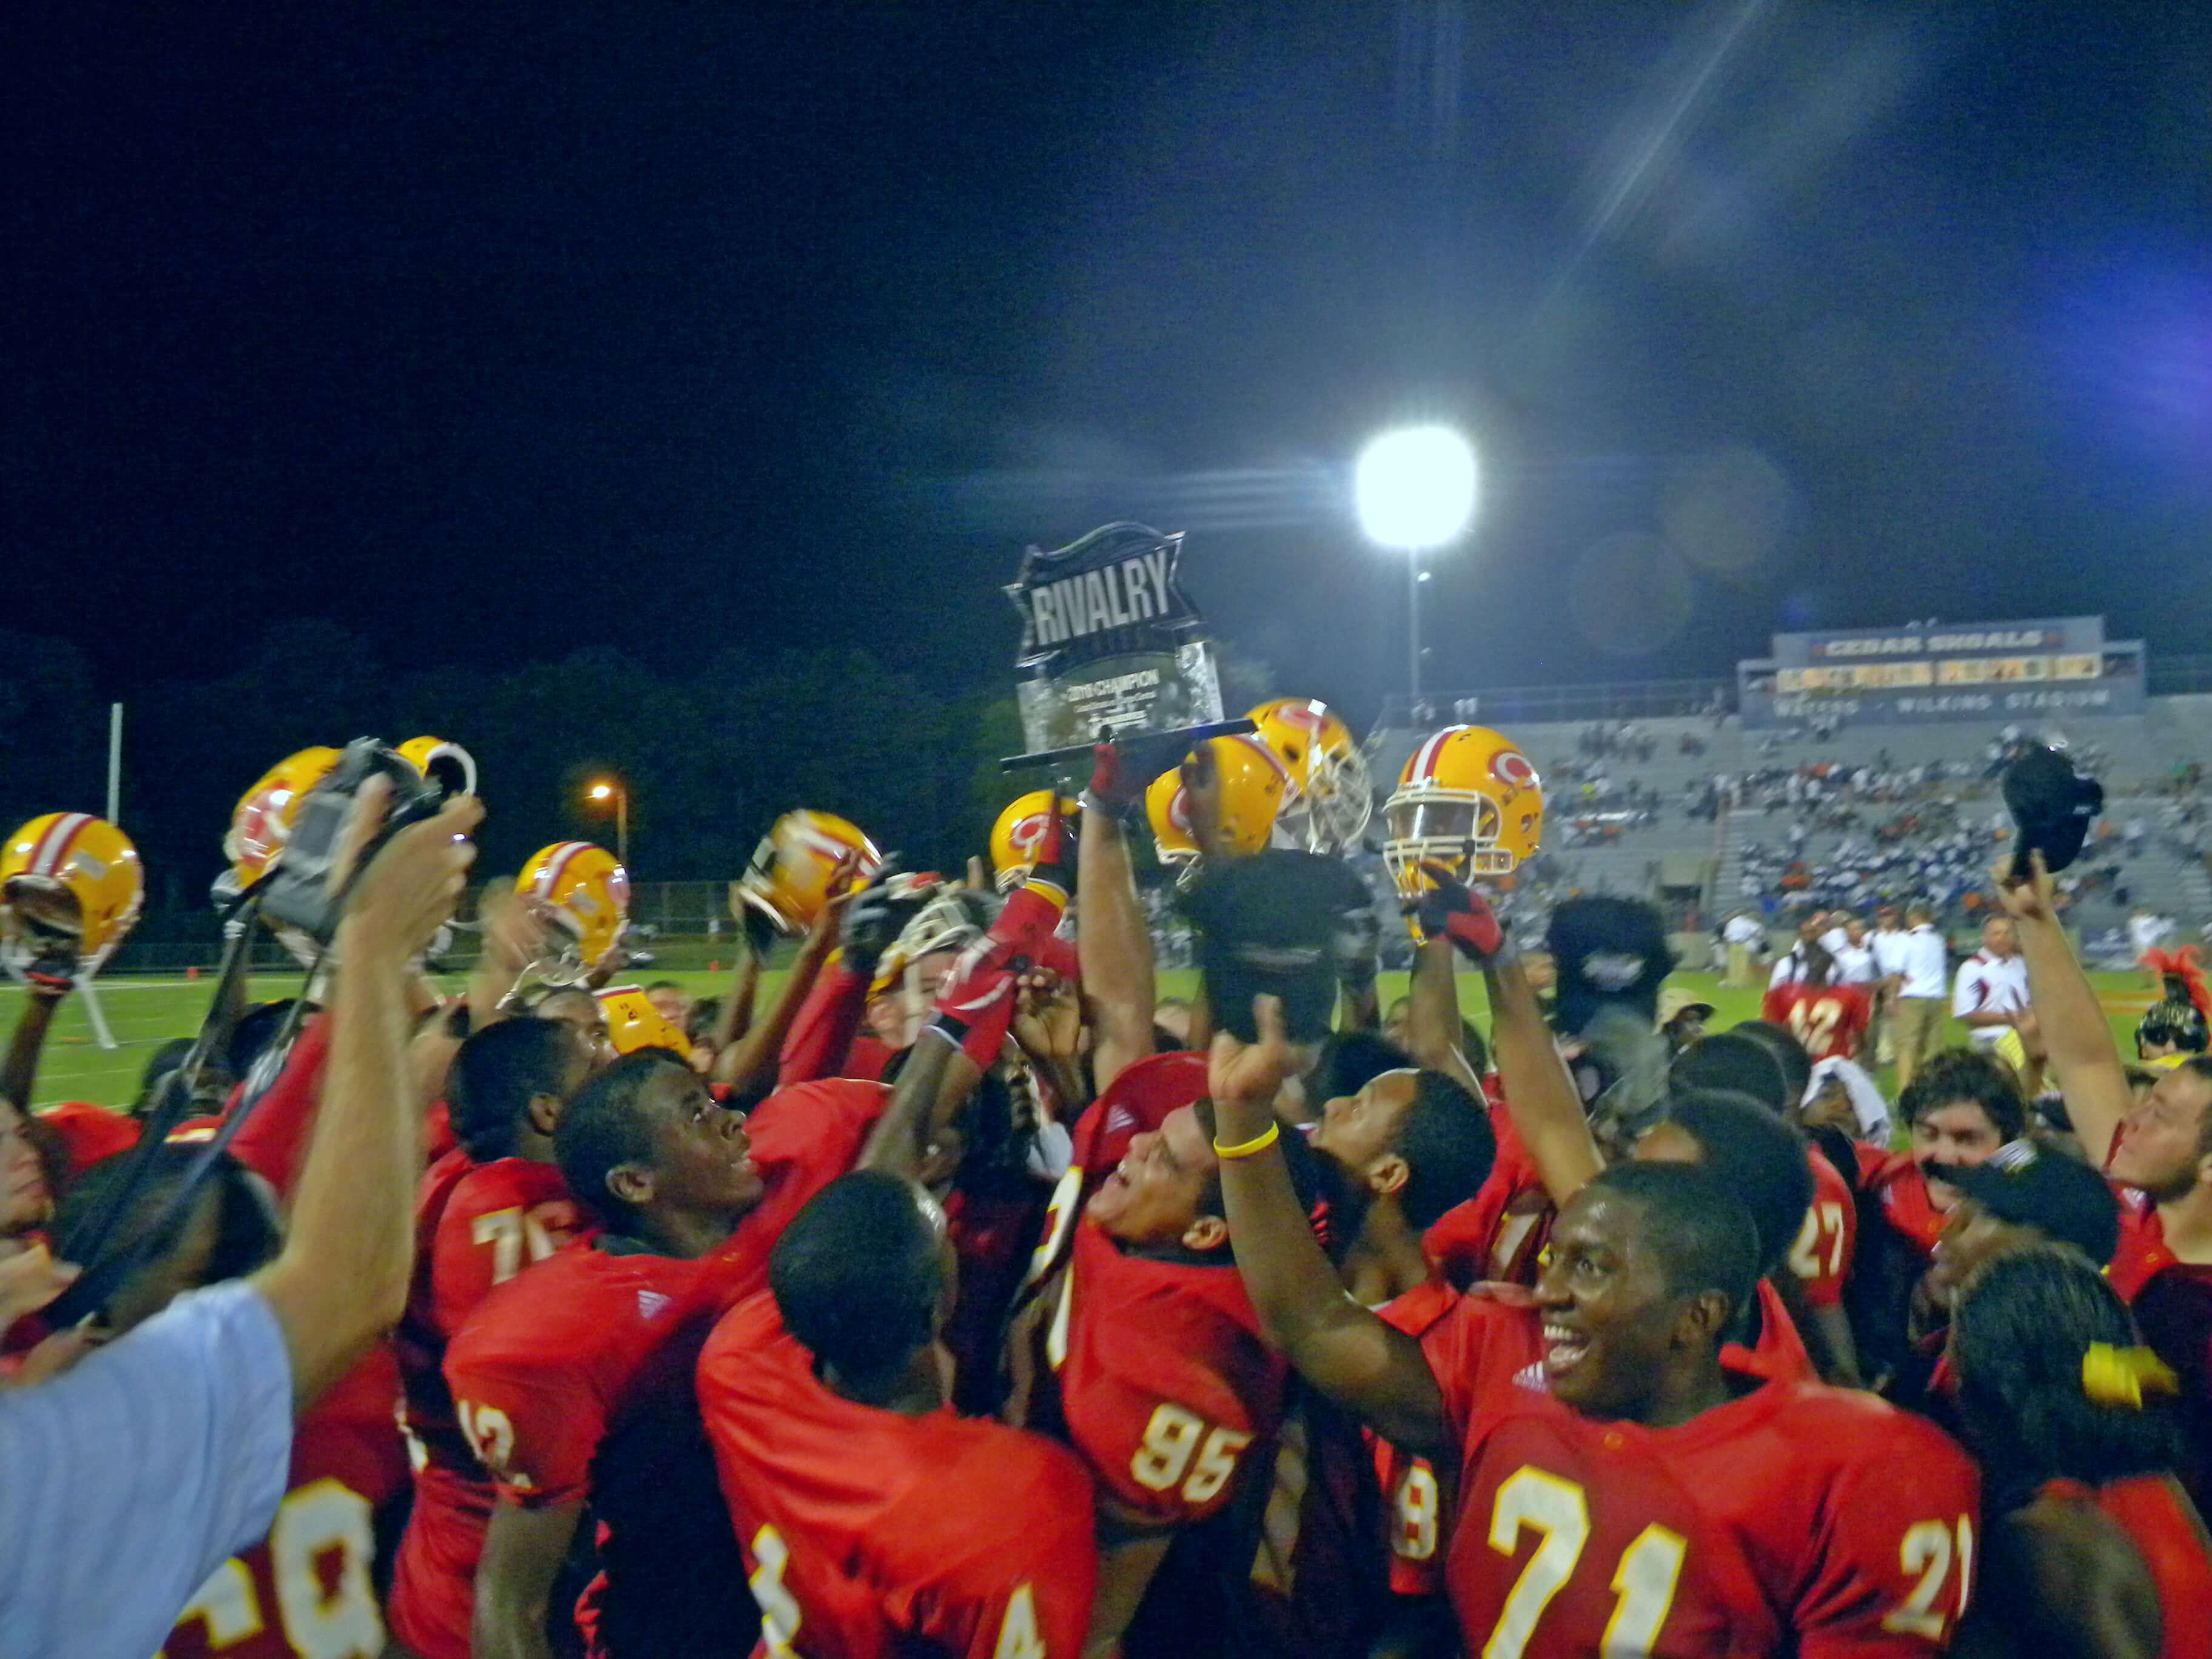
(1414, 490)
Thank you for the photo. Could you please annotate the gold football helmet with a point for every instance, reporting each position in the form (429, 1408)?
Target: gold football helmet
(585, 895)
(633, 1023)
(1014, 837)
(1331, 797)
(1468, 800)
(449, 765)
(71, 887)
(262, 822)
(1253, 785)
(788, 879)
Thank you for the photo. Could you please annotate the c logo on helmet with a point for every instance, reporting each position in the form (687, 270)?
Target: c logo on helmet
(1028, 832)
(1300, 716)
(1179, 809)
(1510, 767)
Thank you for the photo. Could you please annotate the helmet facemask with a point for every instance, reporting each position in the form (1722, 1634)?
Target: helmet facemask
(1454, 828)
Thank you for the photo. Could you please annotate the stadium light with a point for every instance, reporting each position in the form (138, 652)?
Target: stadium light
(1414, 490)
(620, 795)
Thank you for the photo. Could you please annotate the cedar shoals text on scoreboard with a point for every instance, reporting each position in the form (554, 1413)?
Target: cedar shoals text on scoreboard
(2042, 670)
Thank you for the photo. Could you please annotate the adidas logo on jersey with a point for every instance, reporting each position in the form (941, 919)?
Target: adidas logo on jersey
(1119, 1118)
(1531, 1376)
(651, 1304)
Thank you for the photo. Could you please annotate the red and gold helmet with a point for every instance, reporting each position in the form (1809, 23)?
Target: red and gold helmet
(1253, 785)
(585, 893)
(633, 1023)
(1469, 800)
(1331, 797)
(449, 765)
(71, 887)
(788, 879)
(1014, 837)
(262, 822)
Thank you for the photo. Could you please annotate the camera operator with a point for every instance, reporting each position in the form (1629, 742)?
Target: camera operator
(125, 1481)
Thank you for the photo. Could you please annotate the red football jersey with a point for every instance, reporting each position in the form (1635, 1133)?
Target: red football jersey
(87, 1132)
(306, 1588)
(1497, 1236)
(1154, 1370)
(1828, 1019)
(1902, 1188)
(1821, 1257)
(2169, 1535)
(1779, 1354)
(591, 1344)
(1858, 1519)
(1420, 1497)
(478, 1225)
(273, 1140)
(1573, 1536)
(867, 1535)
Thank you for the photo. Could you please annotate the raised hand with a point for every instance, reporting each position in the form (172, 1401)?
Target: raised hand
(411, 887)
(1450, 909)
(1252, 1073)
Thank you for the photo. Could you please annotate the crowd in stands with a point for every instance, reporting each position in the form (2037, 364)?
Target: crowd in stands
(962, 1295)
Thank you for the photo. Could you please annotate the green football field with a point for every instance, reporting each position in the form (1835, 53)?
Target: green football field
(144, 1013)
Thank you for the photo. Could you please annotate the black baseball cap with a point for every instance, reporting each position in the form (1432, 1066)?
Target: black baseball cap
(1281, 924)
(2057, 1195)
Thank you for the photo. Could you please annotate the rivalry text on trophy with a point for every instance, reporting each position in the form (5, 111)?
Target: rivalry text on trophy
(1110, 642)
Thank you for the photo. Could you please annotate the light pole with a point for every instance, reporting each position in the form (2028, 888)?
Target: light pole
(1414, 490)
(619, 793)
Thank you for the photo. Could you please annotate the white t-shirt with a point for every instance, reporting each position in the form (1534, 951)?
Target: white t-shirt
(1835, 942)
(1921, 962)
(1986, 983)
(1743, 930)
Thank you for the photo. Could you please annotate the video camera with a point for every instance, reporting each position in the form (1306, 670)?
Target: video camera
(299, 892)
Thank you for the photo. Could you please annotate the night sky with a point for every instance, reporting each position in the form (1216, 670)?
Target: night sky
(496, 332)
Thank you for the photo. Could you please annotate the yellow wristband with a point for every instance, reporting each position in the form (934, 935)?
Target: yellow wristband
(1259, 1143)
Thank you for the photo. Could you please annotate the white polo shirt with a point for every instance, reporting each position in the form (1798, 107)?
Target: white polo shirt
(1855, 964)
(1887, 944)
(1922, 962)
(1986, 983)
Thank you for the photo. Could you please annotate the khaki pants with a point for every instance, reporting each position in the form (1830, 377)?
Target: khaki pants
(1739, 968)
(1915, 1032)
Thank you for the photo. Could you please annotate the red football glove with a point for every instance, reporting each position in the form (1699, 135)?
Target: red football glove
(976, 1006)
(1450, 909)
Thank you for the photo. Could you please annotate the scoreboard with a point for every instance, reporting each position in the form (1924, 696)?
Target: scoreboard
(2005, 671)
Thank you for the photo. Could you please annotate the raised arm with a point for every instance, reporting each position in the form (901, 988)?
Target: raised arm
(42, 996)
(1112, 942)
(341, 1280)
(1433, 1028)
(1374, 1371)
(749, 1061)
(1539, 1095)
(2077, 1042)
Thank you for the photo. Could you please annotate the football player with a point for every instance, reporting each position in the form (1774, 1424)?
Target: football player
(573, 1383)
(873, 1520)
(1827, 1018)
(1962, 1107)
(306, 1586)
(2092, 1545)
(1790, 1509)
(491, 1207)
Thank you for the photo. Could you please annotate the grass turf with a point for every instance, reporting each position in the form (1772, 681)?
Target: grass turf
(144, 1013)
